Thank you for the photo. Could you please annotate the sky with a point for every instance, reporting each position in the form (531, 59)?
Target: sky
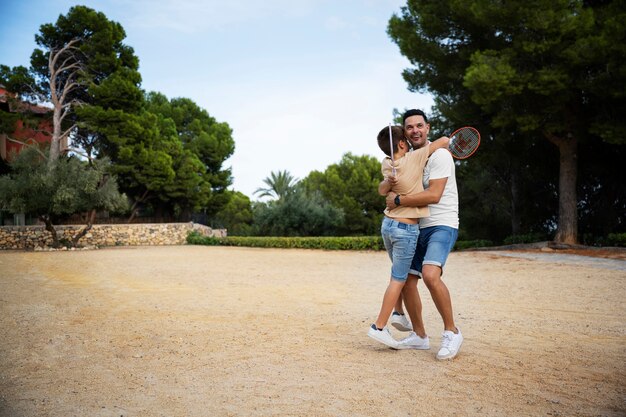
(300, 82)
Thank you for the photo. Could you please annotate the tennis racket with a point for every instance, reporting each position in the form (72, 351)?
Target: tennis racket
(464, 142)
(393, 168)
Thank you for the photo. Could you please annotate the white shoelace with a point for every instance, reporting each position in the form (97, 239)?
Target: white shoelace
(446, 340)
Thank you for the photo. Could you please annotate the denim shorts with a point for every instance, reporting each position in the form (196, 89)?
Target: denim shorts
(433, 247)
(400, 241)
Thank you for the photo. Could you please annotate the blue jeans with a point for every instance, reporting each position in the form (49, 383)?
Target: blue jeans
(433, 247)
(400, 240)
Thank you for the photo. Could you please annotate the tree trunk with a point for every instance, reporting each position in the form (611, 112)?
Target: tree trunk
(135, 207)
(50, 228)
(516, 223)
(158, 212)
(90, 219)
(55, 143)
(61, 62)
(567, 229)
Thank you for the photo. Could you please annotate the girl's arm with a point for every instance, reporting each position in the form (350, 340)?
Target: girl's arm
(385, 185)
(442, 142)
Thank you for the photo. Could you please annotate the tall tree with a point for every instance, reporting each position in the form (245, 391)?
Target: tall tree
(548, 68)
(82, 66)
(279, 185)
(142, 147)
(201, 179)
(70, 186)
(236, 215)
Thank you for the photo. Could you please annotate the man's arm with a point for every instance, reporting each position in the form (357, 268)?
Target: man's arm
(431, 195)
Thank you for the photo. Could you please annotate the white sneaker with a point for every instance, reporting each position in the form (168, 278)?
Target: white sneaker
(450, 344)
(414, 342)
(400, 322)
(383, 336)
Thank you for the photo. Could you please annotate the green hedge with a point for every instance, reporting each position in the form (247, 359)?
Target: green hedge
(616, 239)
(466, 244)
(327, 243)
(526, 238)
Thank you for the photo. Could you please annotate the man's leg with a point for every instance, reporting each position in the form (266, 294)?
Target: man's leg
(440, 240)
(440, 295)
(398, 307)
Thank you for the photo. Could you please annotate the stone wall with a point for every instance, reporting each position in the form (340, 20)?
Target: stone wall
(37, 237)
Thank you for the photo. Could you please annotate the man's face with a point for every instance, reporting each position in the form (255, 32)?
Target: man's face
(416, 131)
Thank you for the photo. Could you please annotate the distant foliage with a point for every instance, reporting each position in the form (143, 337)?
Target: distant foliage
(466, 244)
(526, 238)
(71, 186)
(544, 83)
(297, 214)
(236, 215)
(352, 186)
(326, 243)
(279, 185)
(616, 239)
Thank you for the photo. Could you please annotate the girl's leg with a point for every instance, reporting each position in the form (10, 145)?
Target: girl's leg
(389, 300)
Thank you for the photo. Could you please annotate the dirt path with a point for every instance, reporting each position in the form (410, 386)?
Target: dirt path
(216, 331)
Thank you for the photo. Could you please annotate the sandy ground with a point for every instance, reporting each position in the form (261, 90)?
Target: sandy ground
(217, 331)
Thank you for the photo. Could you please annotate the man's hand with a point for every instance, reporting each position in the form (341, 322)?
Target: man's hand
(389, 200)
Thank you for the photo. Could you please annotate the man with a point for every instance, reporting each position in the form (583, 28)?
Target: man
(438, 233)
(399, 228)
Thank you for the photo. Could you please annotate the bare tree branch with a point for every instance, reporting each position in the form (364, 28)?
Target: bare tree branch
(55, 54)
(68, 131)
(29, 145)
(60, 88)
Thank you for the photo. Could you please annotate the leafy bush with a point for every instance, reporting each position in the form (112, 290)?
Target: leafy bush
(616, 239)
(478, 243)
(195, 238)
(326, 243)
(525, 238)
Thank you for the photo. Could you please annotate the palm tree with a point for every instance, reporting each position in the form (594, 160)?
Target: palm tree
(278, 185)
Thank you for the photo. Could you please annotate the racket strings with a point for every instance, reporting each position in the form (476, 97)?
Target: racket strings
(465, 142)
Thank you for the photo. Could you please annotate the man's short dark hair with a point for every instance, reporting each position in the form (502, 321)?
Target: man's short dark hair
(413, 112)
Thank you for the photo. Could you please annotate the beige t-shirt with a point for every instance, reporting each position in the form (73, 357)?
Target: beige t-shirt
(409, 171)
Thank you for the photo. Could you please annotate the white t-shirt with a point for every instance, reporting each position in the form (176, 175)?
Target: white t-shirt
(446, 212)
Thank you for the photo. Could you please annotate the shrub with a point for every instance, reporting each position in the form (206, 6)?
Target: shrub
(478, 243)
(616, 239)
(525, 238)
(322, 242)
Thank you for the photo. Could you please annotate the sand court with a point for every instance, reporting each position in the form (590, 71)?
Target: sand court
(224, 331)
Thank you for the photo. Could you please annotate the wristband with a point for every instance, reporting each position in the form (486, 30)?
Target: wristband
(396, 200)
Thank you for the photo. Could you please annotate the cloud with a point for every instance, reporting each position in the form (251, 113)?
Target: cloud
(197, 16)
(335, 23)
(306, 128)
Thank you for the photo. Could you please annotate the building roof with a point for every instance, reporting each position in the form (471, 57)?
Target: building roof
(20, 106)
